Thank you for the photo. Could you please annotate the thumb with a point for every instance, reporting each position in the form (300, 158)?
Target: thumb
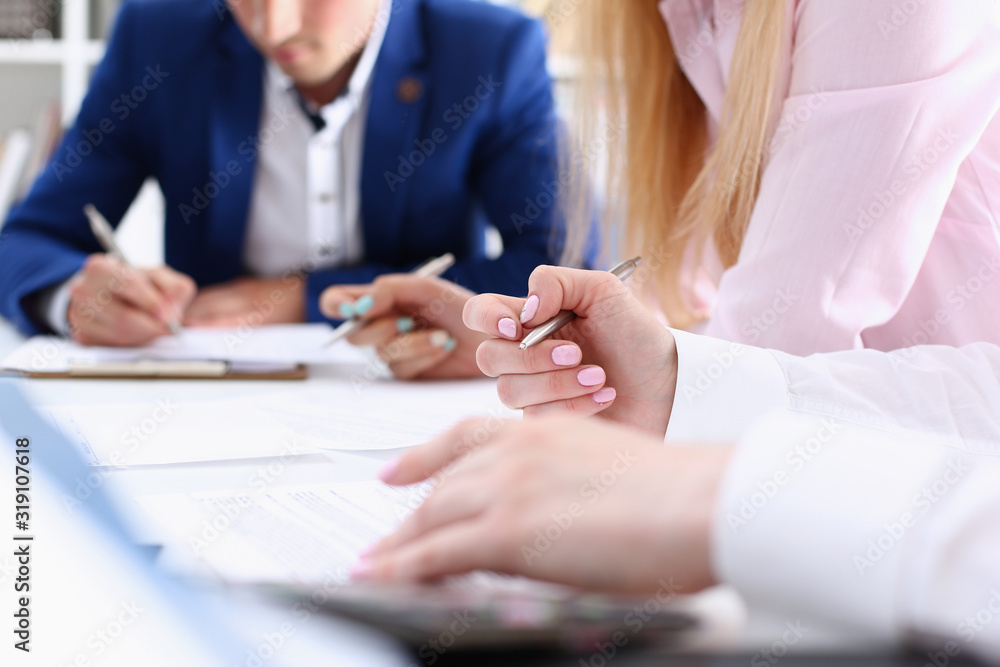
(555, 288)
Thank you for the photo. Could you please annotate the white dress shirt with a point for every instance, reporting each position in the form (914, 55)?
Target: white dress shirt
(868, 494)
(305, 210)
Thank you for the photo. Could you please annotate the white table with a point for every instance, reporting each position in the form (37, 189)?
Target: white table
(737, 629)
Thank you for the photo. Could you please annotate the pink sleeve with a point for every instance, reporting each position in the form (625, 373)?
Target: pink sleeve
(886, 100)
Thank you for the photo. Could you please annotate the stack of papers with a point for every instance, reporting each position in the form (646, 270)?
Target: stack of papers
(339, 415)
(303, 534)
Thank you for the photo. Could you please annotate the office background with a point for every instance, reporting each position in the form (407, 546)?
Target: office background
(48, 51)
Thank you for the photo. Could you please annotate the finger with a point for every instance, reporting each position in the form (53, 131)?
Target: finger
(118, 324)
(560, 288)
(215, 306)
(179, 288)
(497, 357)
(131, 286)
(421, 462)
(495, 315)
(522, 391)
(454, 549)
(459, 499)
(381, 330)
(408, 347)
(419, 362)
(333, 298)
(582, 406)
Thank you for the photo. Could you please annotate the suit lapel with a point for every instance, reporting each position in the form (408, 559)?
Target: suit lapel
(237, 102)
(399, 94)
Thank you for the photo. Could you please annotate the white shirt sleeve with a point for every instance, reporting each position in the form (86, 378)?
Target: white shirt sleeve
(932, 393)
(53, 307)
(892, 535)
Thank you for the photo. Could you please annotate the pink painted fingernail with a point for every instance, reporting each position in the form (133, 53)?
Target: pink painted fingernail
(366, 552)
(566, 355)
(605, 395)
(507, 327)
(529, 310)
(361, 570)
(388, 471)
(591, 377)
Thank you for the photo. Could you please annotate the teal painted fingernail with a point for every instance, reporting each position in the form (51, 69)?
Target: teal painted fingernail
(404, 325)
(449, 345)
(346, 311)
(363, 305)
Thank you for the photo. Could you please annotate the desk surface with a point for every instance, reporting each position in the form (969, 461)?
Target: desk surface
(735, 629)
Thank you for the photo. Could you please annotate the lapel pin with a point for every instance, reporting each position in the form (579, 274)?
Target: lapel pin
(409, 89)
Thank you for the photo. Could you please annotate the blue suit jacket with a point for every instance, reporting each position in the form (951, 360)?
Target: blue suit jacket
(461, 130)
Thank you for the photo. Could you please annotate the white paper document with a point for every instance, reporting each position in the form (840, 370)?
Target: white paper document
(340, 415)
(249, 348)
(304, 534)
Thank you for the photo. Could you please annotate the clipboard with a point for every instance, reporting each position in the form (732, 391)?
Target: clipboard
(167, 370)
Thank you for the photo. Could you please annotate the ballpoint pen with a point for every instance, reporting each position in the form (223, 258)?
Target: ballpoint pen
(106, 237)
(432, 268)
(542, 331)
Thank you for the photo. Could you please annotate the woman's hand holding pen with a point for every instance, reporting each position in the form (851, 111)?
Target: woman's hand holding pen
(414, 322)
(114, 304)
(615, 359)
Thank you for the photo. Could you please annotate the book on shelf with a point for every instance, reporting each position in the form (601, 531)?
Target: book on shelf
(25, 155)
(46, 135)
(16, 153)
(28, 19)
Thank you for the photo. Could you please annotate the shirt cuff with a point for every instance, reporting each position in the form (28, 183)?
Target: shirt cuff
(816, 517)
(53, 307)
(722, 388)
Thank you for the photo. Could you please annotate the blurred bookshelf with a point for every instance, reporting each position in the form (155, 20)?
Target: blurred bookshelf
(44, 42)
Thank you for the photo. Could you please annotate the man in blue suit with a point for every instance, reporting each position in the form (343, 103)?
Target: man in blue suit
(298, 145)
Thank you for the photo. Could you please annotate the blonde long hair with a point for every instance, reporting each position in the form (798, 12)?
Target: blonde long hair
(677, 196)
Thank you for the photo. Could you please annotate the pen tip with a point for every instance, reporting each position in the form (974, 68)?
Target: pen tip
(522, 346)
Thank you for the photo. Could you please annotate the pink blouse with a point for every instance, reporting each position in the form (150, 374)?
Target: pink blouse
(877, 220)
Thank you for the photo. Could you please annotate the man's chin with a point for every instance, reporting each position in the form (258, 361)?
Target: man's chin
(304, 74)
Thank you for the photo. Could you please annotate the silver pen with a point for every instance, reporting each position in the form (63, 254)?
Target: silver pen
(432, 268)
(106, 237)
(546, 329)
